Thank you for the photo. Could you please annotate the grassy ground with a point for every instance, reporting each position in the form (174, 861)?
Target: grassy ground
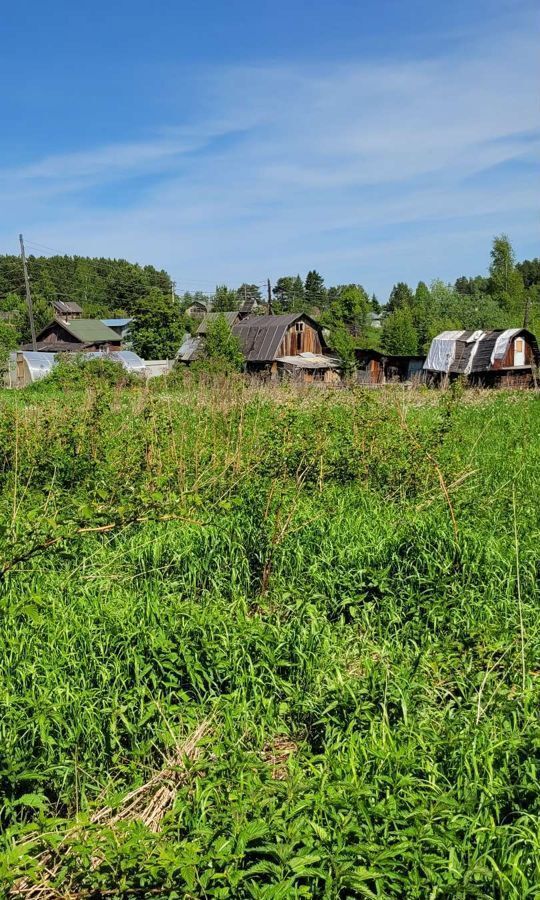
(263, 643)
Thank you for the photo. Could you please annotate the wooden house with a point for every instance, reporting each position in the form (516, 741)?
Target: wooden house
(489, 358)
(75, 336)
(291, 343)
(198, 309)
(67, 309)
(374, 367)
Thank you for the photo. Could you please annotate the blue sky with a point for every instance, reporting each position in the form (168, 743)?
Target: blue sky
(374, 141)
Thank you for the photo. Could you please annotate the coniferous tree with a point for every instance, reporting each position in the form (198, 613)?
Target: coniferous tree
(247, 292)
(225, 299)
(506, 282)
(400, 296)
(530, 271)
(289, 294)
(315, 291)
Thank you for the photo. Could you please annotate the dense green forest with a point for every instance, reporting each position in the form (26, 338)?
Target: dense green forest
(509, 295)
(103, 287)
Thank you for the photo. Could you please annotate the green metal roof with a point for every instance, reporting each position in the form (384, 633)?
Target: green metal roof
(89, 331)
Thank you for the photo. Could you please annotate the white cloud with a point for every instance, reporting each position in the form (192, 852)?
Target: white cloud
(326, 165)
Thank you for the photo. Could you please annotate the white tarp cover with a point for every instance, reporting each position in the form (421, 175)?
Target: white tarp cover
(442, 351)
(501, 344)
(475, 338)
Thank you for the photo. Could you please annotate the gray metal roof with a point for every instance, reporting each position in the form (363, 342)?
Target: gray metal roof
(67, 306)
(211, 317)
(189, 349)
(261, 336)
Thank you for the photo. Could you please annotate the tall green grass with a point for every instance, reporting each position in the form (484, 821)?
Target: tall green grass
(333, 573)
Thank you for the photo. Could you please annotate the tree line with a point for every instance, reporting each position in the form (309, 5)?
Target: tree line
(508, 296)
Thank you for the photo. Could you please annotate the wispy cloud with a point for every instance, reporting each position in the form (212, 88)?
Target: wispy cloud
(337, 166)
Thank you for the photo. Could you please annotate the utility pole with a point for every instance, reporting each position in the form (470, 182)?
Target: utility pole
(28, 295)
(173, 289)
(269, 289)
(526, 312)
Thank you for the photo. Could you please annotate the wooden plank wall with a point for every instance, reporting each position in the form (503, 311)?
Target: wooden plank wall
(306, 341)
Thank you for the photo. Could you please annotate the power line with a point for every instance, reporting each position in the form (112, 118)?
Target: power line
(114, 263)
(28, 295)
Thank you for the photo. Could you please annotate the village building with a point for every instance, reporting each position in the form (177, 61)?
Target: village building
(292, 345)
(67, 309)
(375, 319)
(121, 326)
(487, 358)
(76, 336)
(287, 344)
(198, 309)
(375, 367)
(192, 345)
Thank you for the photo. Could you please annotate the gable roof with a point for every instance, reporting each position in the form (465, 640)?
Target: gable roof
(467, 352)
(67, 306)
(211, 317)
(261, 336)
(88, 331)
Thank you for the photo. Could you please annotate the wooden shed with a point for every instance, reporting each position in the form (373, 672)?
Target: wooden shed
(374, 367)
(508, 357)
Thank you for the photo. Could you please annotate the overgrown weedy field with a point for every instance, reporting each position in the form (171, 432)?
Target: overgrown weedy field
(269, 643)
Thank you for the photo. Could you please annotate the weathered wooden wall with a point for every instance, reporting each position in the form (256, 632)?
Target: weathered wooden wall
(507, 362)
(295, 342)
